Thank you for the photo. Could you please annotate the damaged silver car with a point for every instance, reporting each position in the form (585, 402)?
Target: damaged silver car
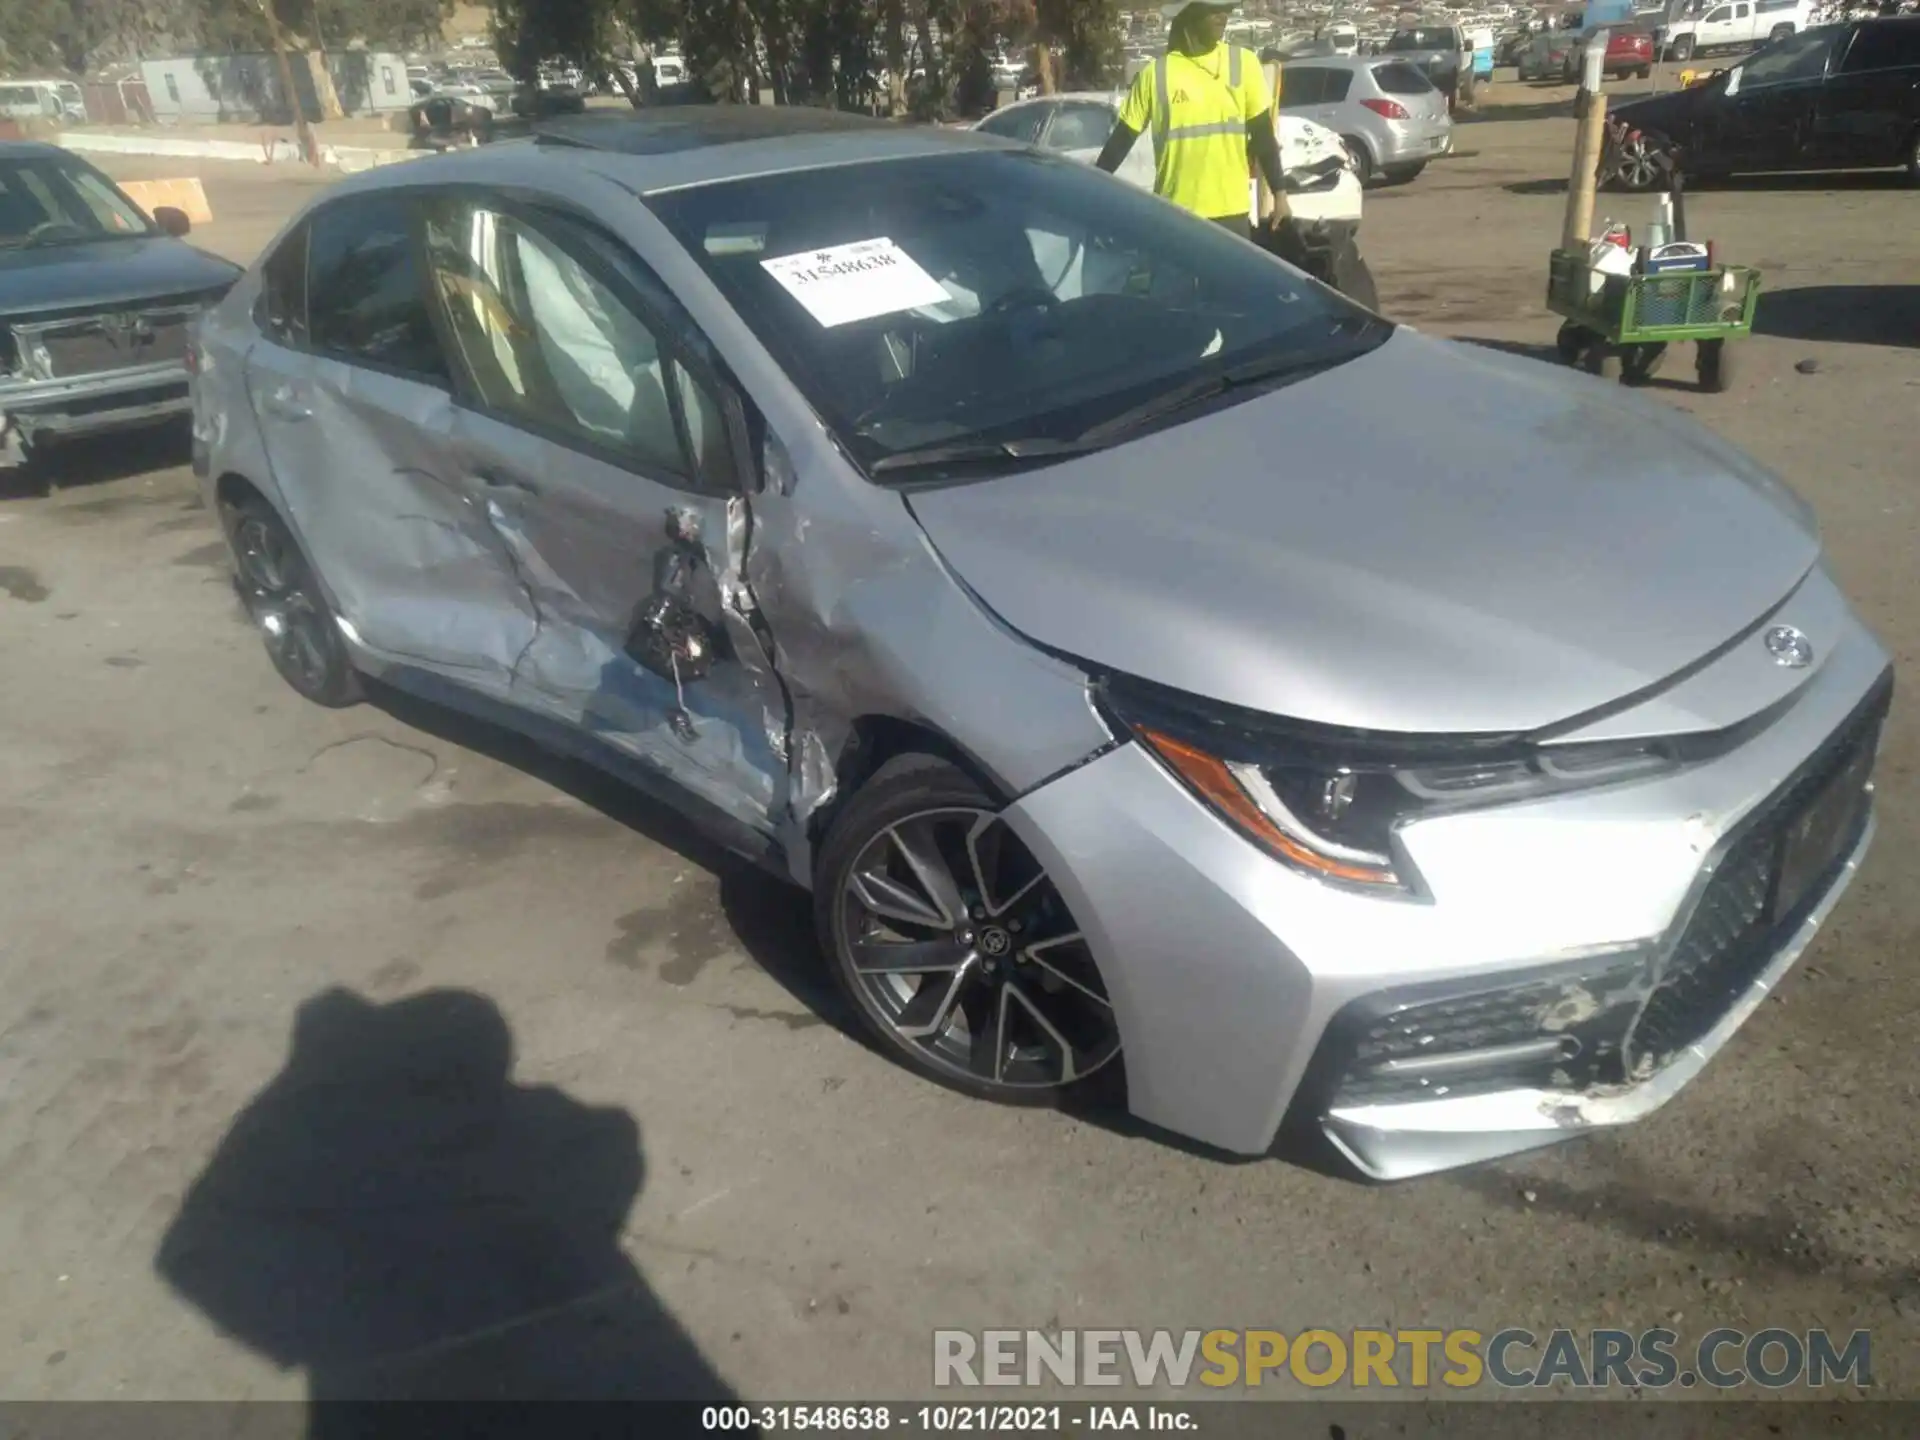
(1026, 568)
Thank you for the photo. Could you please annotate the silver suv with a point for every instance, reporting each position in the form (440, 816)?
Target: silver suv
(1171, 680)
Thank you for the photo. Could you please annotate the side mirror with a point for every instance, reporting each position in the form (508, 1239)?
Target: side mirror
(1732, 86)
(172, 220)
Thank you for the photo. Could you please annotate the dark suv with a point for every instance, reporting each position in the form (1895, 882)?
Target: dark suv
(1840, 97)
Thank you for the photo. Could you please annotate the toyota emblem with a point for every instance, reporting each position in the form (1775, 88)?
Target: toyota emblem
(1789, 647)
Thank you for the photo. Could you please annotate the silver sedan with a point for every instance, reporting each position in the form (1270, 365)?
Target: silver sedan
(1034, 574)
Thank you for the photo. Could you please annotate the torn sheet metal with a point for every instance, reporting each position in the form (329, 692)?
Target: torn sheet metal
(360, 461)
(644, 637)
(868, 622)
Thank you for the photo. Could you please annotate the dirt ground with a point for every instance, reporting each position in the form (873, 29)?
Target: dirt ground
(232, 922)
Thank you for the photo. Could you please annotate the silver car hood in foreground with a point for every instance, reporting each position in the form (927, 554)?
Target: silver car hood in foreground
(1432, 538)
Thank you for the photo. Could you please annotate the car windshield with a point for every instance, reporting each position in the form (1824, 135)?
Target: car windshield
(1798, 57)
(1420, 40)
(997, 297)
(53, 200)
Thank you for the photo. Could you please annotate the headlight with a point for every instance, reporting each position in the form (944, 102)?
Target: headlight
(1329, 802)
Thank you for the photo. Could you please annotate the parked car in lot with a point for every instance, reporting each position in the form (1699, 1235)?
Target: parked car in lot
(1392, 119)
(1443, 53)
(95, 302)
(1697, 27)
(1078, 124)
(1164, 674)
(1629, 52)
(1545, 57)
(1841, 97)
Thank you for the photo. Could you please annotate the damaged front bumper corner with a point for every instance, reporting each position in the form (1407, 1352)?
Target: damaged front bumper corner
(1396, 1141)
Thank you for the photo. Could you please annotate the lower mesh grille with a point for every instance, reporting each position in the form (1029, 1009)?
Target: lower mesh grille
(1603, 1024)
(1742, 920)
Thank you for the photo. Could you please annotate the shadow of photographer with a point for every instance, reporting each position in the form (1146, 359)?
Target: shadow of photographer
(396, 1217)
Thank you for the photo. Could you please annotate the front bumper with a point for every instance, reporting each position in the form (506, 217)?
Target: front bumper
(38, 410)
(1235, 979)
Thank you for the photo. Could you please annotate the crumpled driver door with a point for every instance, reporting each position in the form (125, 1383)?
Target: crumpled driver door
(602, 447)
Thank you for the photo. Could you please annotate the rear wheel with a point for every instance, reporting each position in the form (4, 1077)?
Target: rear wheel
(1641, 363)
(953, 943)
(1602, 360)
(286, 605)
(1571, 341)
(1714, 366)
(1360, 156)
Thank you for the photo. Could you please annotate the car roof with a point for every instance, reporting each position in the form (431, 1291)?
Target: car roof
(1344, 62)
(671, 147)
(28, 149)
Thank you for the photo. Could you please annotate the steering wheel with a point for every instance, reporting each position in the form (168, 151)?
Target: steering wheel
(1022, 297)
(46, 227)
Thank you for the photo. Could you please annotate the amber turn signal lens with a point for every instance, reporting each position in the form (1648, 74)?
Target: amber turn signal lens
(1214, 783)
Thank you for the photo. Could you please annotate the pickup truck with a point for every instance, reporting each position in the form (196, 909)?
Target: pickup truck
(1694, 27)
(1442, 52)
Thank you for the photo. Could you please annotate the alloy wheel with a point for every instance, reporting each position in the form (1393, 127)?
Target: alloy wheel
(962, 947)
(294, 627)
(1641, 163)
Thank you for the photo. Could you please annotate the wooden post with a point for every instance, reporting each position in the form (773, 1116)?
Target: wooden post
(1590, 112)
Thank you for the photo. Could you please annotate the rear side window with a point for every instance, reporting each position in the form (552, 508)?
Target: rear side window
(1302, 85)
(283, 291)
(1400, 78)
(1885, 47)
(1080, 127)
(1019, 122)
(366, 300)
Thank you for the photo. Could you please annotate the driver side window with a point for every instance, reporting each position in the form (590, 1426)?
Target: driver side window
(1797, 58)
(548, 344)
(1017, 122)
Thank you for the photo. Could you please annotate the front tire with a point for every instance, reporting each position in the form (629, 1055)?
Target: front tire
(1778, 33)
(1913, 158)
(286, 605)
(1682, 50)
(1642, 163)
(954, 946)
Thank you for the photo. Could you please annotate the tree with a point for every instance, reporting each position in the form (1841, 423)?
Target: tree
(78, 36)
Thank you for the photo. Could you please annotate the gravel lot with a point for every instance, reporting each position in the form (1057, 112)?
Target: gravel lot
(748, 1198)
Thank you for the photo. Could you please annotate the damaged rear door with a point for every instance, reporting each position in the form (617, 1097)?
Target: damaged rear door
(594, 422)
(350, 384)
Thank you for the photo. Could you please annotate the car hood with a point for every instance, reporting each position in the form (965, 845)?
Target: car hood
(106, 272)
(1662, 113)
(1434, 537)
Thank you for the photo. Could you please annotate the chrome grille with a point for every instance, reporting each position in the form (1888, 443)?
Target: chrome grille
(109, 340)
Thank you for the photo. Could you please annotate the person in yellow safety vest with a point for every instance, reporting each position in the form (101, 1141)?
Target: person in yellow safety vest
(1207, 104)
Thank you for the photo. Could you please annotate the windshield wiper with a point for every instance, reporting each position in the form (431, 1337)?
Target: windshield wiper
(1205, 387)
(962, 452)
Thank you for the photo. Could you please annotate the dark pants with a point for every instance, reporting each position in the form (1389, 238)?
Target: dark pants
(1238, 224)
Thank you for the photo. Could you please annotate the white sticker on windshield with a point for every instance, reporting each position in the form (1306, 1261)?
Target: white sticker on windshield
(844, 283)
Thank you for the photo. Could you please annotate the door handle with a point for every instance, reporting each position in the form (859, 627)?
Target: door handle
(500, 480)
(284, 403)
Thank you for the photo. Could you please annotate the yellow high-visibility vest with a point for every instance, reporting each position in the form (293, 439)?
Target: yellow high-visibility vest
(1197, 108)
